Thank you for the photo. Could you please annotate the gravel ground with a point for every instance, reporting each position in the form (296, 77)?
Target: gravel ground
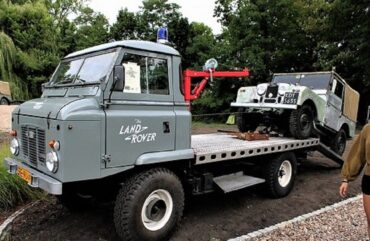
(344, 223)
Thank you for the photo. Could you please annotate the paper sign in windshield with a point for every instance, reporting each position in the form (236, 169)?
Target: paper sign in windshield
(132, 78)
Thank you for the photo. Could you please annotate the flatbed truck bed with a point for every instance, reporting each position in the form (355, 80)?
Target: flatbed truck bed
(225, 148)
(209, 148)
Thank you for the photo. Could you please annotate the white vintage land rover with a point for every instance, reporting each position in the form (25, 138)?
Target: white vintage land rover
(301, 105)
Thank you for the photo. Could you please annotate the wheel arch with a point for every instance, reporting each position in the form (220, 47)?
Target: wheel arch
(345, 127)
(312, 104)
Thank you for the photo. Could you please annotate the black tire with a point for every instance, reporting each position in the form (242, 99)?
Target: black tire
(246, 122)
(275, 187)
(4, 101)
(301, 122)
(129, 207)
(339, 142)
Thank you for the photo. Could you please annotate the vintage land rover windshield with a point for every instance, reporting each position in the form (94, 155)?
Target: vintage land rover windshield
(84, 70)
(313, 81)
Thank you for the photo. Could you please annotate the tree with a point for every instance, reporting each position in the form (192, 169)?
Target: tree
(92, 29)
(7, 56)
(200, 46)
(266, 36)
(153, 15)
(127, 26)
(61, 9)
(31, 29)
(7, 59)
(346, 45)
(158, 13)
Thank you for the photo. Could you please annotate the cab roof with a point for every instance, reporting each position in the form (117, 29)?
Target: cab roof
(133, 44)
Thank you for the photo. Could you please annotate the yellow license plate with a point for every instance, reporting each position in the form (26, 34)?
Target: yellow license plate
(24, 174)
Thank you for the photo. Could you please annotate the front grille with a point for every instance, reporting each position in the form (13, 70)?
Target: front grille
(272, 91)
(33, 144)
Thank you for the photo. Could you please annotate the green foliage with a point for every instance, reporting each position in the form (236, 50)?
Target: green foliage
(92, 29)
(347, 46)
(265, 35)
(31, 29)
(127, 26)
(13, 190)
(7, 56)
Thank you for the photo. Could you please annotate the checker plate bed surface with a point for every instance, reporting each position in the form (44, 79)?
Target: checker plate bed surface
(210, 148)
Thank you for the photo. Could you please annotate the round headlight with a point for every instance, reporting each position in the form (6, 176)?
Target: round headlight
(261, 89)
(52, 161)
(14, 146)
(282, 89)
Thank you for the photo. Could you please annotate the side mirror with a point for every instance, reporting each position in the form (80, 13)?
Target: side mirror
(210, 64)
(118, 78)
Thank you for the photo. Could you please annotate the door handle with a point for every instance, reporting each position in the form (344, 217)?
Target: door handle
(166, 127)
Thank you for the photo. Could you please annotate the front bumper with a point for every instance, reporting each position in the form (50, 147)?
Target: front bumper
(264, 105)
(39, 180)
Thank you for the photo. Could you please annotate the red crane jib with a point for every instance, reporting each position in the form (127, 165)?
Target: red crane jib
(193, 94)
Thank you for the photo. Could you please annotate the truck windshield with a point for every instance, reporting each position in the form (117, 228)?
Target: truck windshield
(313, 81)
(84, 70)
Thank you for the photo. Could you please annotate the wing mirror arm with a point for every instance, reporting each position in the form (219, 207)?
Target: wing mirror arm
(118, 80)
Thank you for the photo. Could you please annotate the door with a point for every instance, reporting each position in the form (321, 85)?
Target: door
(334, 104)
(140, 118)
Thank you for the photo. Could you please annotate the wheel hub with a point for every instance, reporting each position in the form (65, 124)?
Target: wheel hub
(305, 121)
(157, 210)
(285, 173)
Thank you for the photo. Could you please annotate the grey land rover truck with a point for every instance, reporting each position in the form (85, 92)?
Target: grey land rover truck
(113, 124)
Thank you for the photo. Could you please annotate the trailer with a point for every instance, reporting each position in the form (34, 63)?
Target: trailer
(115, 121)
(5, 94)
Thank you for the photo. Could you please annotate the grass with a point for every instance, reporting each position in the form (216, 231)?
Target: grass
(13, 190)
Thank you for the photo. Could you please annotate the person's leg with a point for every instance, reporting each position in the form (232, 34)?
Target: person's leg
(366, 199)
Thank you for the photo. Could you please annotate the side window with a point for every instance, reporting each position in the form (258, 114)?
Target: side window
(145, 75)
(338, 91)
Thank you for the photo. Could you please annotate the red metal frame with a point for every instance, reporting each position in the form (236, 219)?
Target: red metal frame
(193, 94)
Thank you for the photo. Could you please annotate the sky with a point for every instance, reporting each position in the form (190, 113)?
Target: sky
(194, 10)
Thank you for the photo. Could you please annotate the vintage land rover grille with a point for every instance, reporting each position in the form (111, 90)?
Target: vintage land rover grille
(33, 144)
(272, 91)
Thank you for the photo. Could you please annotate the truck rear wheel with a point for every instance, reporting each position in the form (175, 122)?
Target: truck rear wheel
(4, 101)
(149, 206)
(246, 122)
(301, 122)
(280, 175)
(339, 142)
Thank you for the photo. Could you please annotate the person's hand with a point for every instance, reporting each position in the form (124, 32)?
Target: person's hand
(343, 189)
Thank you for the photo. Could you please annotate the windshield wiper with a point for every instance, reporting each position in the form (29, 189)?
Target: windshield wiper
(65, 82)
(80, 80)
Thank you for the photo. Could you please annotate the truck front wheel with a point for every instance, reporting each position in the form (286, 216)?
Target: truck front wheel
(246, 122)
(280, 175)
(149, 205)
